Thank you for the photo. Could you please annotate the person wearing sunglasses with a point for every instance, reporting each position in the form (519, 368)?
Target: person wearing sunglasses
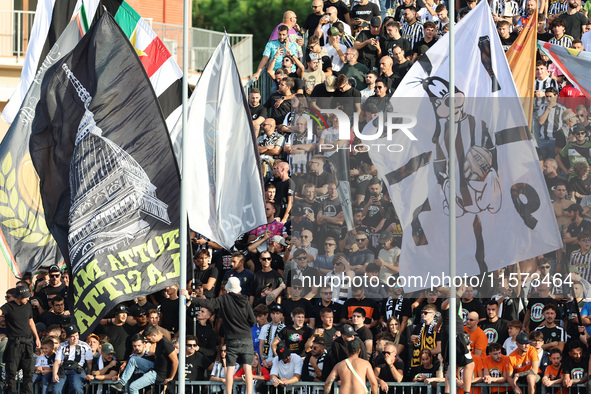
(425, 335)
(56, 286)
(196, 363)
(575, 151)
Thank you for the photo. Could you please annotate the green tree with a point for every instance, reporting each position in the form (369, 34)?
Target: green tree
(256, 17)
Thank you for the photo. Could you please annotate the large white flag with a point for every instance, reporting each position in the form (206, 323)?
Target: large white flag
(224, 179)
(503, 210)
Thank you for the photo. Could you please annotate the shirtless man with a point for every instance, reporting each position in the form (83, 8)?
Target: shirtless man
(560, 204)
(353, 382)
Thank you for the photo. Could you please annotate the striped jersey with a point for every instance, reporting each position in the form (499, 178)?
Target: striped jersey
(582, 262)
(565, 41)
(558, 8)
(413, 33)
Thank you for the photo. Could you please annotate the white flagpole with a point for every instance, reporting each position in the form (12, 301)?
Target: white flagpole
(184, 198)
(452, 201)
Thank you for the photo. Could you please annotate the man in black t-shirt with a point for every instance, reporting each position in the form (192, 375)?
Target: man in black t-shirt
(55, 287)
(495, 328)
(162, 370)
(574, 20)
(257, 110)
(394, 39)
(22, 337)
(196, 364)
(313, 19)
(368, 44)
(295, 336)
(575, 368)
(119, 332)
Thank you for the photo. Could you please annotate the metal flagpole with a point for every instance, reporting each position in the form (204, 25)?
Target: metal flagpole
(452, 201)
(184, 198)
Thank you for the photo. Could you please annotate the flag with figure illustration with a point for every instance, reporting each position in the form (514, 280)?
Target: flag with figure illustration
(112, 208)
(502, 209)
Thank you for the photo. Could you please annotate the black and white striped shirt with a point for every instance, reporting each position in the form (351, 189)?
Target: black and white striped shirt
(542, 85)
(553, 122)
(558, 8)
(582, 262)
(565, 41)
(413, 33)
(320, 363)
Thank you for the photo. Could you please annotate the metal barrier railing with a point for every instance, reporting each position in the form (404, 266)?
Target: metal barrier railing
(209, 387)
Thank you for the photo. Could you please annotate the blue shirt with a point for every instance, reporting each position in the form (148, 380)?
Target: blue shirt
(273, 46)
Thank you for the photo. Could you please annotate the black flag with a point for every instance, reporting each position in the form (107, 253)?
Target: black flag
(108, 177)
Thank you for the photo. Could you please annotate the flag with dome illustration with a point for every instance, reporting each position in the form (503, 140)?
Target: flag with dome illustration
(112, 208)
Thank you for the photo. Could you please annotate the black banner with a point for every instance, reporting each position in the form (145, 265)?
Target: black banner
(108, 177)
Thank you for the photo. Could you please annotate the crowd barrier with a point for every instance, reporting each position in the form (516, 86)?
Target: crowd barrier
(208, 387)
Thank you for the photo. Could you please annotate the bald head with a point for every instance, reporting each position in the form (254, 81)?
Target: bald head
(290, 18)
(472, 321)
(333, 13)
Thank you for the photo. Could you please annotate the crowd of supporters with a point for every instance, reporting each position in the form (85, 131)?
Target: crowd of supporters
(299, 269)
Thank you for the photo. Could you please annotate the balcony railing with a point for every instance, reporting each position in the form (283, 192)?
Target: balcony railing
(15, 30)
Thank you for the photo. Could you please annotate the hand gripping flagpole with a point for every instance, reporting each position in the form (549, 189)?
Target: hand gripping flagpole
(184, 198)
(451, 372)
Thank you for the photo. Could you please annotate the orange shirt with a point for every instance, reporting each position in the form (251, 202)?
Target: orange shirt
(478, 340)
(478, 366)
(552, 372)
(496, 370)
(523, 363)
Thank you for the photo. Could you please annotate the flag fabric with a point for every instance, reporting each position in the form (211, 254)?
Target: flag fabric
(226, 197)
(112, 208)
(164, 73)
(503, 211)
(26, 244)
(51, 19)
(339, 163)
(574, 64)
(522, 62)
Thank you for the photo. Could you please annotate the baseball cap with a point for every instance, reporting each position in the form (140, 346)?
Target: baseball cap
(347, 330)
(376, 21)
(276, 308)
(121, 308)
(197, 283)
(22, 292)
(385, 237)
(71, 329)
(574, 207)
(314, 57)
(283, 351)
(107, 348)
(522, 338)
(54, 268)
(330, 83)
(333, 31)
(279, 239)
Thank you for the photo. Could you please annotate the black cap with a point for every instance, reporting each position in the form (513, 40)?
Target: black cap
(579, 127)
(276, 308)
(54, 268)
(348, 330)
(71, 329)
(574, 207)
(121, 308)
(522, 338)
(283, 351)
(376, 21)
(22, 292)
(197, 283)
